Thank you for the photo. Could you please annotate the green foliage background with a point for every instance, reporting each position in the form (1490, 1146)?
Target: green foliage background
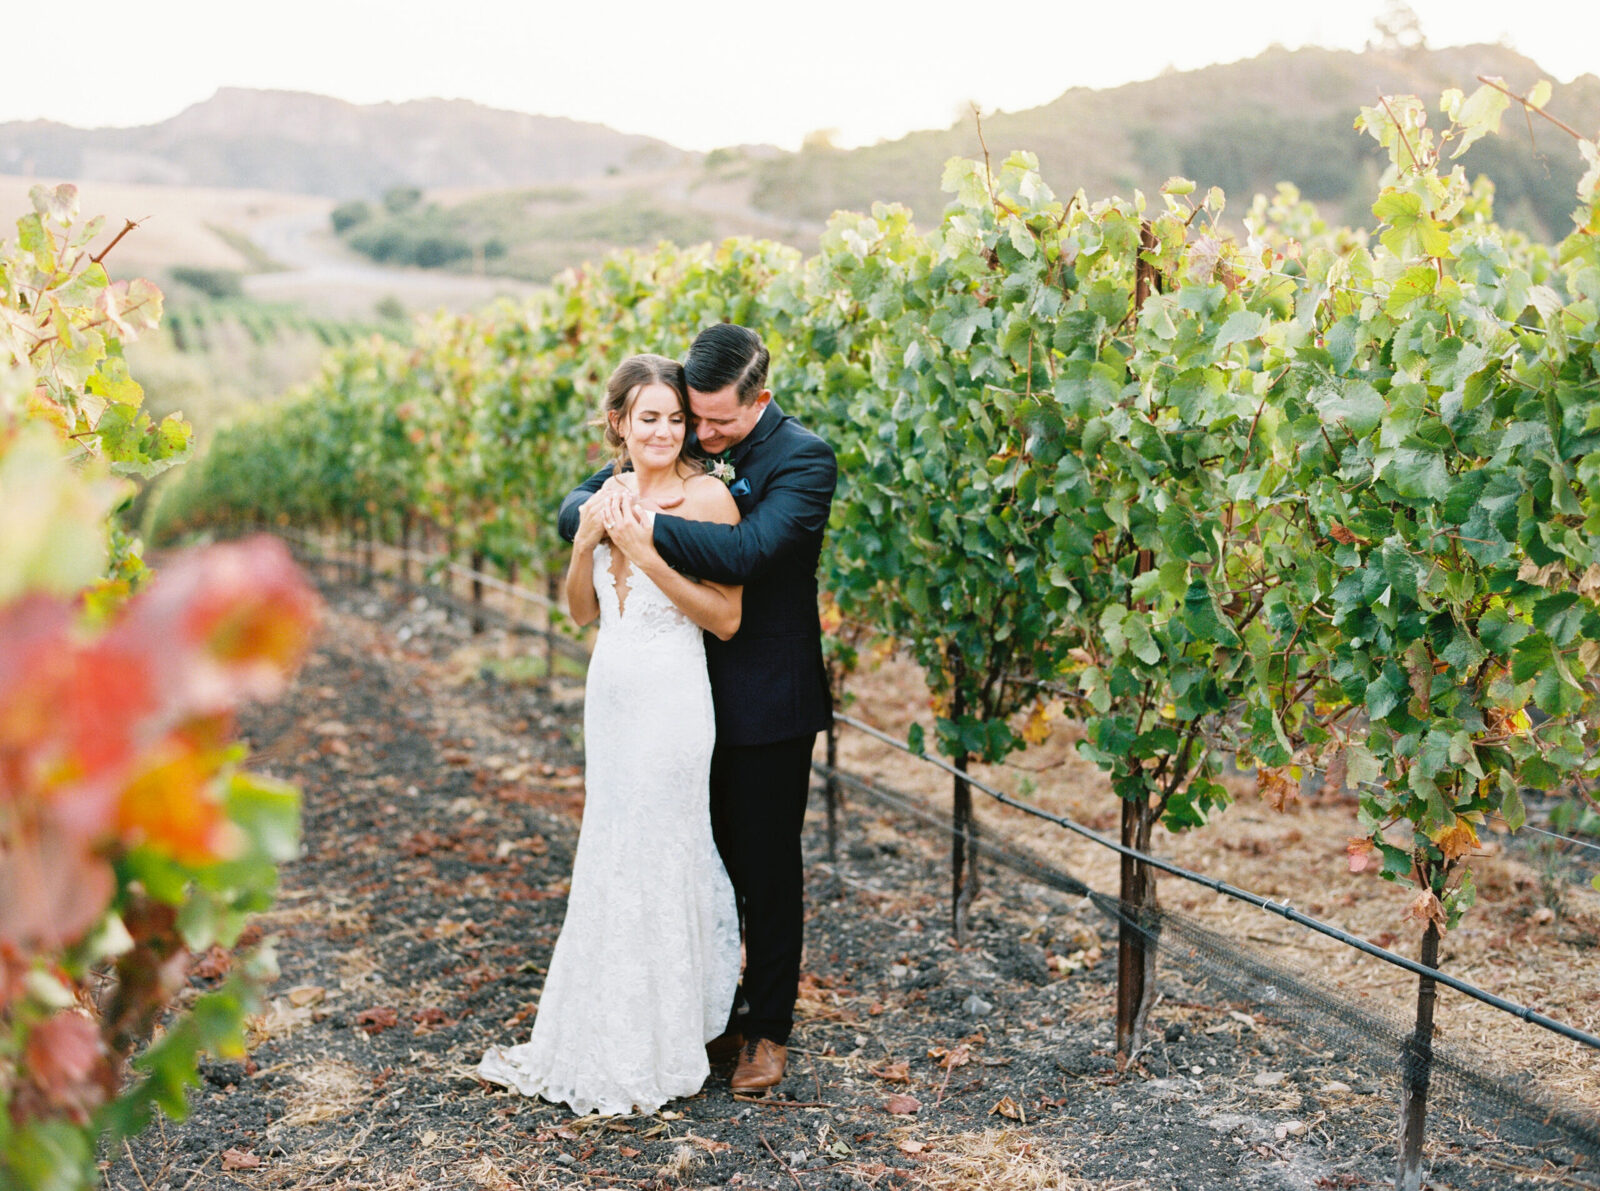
(1308, 499)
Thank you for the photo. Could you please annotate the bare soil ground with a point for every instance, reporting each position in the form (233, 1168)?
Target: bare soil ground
(442, 807)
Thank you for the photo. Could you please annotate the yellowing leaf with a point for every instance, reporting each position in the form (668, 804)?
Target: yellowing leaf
(831, 616)
(1277, 786)
(1037, 728)
(1456, 840)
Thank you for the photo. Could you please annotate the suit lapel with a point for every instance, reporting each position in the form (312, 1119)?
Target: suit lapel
(768, 422)
(744, 456)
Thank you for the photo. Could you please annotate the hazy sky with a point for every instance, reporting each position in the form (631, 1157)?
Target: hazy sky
(699, 73)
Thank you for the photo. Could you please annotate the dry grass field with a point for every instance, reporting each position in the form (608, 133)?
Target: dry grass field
(177, 225)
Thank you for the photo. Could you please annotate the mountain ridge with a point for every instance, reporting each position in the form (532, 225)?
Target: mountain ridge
(1279, 115)
(305, 143)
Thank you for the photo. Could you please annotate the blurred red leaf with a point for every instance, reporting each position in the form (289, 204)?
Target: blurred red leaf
(377, 1019)
(236, 1159)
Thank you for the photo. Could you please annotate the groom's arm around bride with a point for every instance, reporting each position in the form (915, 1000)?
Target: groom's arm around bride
(783, 482)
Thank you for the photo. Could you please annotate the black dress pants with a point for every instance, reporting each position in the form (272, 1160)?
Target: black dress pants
(758, 806)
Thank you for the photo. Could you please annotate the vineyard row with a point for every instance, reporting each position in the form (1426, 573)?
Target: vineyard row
(1310, 497)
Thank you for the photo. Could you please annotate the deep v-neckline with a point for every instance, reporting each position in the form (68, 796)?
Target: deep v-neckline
(621, 581)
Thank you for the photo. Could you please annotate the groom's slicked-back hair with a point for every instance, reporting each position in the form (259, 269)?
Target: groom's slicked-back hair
(727, 354)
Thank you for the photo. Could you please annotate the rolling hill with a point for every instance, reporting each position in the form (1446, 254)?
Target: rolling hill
(1282, 115)
(311, 144)
(524, 195)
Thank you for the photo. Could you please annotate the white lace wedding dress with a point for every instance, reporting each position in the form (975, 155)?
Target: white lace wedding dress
(647, 961)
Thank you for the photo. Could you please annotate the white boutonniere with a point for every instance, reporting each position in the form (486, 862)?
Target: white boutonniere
(723, 470)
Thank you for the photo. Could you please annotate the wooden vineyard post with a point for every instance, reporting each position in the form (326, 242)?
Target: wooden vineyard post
(475, 565)
(407, 530)
(830, 787)
(552, 591)
(451, 546)
(963, 827)
(1144, 273)
(963, 851)
(1136, 951)
(1416, 1063)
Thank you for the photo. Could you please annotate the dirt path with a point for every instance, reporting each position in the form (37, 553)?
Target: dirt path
(442, 807)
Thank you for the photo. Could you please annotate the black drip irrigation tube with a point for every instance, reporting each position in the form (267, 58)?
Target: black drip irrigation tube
(1283, 909)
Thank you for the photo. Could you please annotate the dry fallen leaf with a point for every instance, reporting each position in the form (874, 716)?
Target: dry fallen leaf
(949, 1057)
(892, 1072)
(306, 994)
(1007, 1108)
(902, 1105)
(629, 1151)
(240, 1160)
(377, 1019)
(429, 1019)
(912, 1147)
(213, 965)
(707, 1144)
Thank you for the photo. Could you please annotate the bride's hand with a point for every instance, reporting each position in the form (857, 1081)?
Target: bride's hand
(630, 534)
(621, 490)
(591, 524)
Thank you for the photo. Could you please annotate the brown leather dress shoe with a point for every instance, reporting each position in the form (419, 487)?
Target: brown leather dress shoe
(725, 1047)
(761, 1065)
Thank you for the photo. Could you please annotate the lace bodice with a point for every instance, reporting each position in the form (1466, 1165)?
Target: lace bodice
(640, 613)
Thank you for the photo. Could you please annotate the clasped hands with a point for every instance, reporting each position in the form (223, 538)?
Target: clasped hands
(616, 513)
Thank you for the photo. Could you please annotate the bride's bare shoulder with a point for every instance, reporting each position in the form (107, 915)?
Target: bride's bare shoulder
(706, 498)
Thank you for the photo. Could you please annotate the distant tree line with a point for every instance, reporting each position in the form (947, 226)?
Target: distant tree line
(402, 230)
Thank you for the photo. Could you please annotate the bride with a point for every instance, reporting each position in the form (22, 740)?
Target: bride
(648, 958)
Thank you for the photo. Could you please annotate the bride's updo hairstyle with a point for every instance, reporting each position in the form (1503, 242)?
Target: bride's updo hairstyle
(622, 390)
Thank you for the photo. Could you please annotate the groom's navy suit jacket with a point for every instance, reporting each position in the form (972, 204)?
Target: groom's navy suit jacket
(768, 682)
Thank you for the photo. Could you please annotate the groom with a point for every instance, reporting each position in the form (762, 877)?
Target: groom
(768, 683)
